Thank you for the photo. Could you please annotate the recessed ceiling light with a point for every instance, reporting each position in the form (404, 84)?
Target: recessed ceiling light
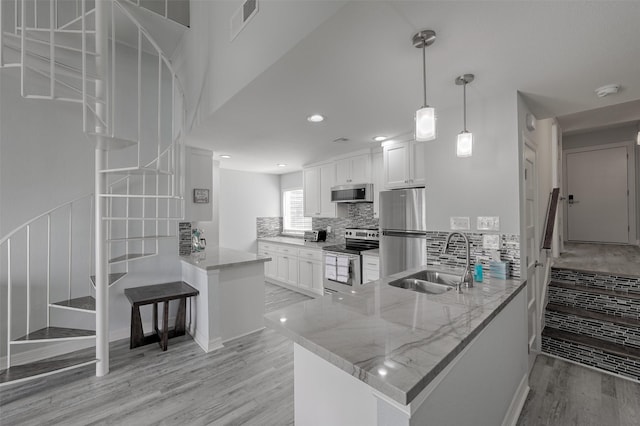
(379, 138)
(282, 165)
(225, 156)
(315, 118)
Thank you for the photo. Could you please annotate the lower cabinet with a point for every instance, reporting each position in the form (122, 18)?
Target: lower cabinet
(297, 268)
(370, 268)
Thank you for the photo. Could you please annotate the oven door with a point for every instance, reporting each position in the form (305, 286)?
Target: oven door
(341, 272)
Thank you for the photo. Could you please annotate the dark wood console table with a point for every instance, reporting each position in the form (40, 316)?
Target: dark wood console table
(146, 295)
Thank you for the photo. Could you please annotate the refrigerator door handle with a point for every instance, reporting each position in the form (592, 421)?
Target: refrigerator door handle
(406, 234)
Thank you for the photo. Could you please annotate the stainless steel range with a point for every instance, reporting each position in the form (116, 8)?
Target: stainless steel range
(343, 262)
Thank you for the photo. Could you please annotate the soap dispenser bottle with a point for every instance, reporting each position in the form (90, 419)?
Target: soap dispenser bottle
(477, 271)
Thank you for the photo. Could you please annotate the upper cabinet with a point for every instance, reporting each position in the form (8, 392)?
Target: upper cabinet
(317, 183)
(404, 165)
(356, 169)
(377, 178)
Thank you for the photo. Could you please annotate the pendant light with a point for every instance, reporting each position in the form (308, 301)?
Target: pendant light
(464, 146)
(425, 116)
(638, 135)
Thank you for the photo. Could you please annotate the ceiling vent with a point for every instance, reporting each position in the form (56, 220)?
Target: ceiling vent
(242, 16)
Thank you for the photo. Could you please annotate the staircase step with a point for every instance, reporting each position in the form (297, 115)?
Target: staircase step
(55, 333)
(111, 142)
(128, 171)
(61, 68)
(42, 38)
(603, 280)
(147, 238)
(86, 304)
(35, 370)
(113, 278)
(623, 331)
(608, 302)
(594, 352)
(584, 313)
(130, 256)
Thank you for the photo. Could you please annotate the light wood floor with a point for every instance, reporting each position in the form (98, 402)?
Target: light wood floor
(563, 393)
(251, 382)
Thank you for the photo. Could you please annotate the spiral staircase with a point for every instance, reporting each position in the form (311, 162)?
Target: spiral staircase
(100, 55)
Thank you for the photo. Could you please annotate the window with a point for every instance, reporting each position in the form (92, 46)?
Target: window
(294, 221)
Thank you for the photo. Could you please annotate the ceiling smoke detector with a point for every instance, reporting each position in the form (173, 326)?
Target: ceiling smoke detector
(609, 89)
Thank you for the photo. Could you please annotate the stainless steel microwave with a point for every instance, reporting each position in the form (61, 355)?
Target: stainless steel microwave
(357, 193)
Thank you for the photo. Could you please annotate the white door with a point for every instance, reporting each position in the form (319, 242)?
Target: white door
(598, 196)
(531, 248)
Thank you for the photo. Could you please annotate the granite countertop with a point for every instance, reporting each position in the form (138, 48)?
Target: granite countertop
(297, 242)
(374, 252)
(220, 257)
(395, 340)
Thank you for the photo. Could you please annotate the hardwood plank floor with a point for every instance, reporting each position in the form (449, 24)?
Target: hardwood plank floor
(563, 393)
(249, 381)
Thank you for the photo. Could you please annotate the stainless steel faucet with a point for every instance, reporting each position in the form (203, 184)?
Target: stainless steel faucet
(466, 278)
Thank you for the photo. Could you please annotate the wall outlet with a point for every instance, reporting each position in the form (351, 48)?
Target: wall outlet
(488, 223)
(491, 242)
(459, 223)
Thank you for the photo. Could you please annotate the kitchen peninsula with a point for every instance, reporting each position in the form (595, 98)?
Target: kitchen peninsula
(392, 356)
(231, 299)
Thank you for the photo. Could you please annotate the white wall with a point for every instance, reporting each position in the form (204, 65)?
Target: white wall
(245, 196)
(291, 180)
(485, 184)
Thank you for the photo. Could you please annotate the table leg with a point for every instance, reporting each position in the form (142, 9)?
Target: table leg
(165, 326)
(180, 329)
(155, 317)
(137, 334)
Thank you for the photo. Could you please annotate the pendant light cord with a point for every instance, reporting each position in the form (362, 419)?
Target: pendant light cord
(424, 72)
(464, 105)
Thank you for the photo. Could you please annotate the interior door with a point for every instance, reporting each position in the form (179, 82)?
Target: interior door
(532, 250)
(597, 195)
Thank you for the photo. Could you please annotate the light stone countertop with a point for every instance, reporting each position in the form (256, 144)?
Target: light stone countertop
(410, 336)
(297, 242)
(219, 257)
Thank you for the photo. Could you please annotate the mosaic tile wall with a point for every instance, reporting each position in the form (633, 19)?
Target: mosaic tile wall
(359, 215)
(623, 366)
(268, 226)
(456, 253)
(603, 303)
(605, 330)
(604, 281)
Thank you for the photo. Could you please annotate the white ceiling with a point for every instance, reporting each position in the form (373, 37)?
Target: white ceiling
(361, 71)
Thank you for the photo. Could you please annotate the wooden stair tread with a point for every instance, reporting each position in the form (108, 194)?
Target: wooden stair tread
(113, 278)
(584, 313)
(592, 342)
(130, 256)
(34, 370)
(595, 290)
(50, 333)
(86, 303)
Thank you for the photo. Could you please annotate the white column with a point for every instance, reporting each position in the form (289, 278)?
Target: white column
(101, 250)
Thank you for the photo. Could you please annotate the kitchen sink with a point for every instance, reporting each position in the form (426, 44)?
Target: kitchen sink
(430, 282)
(420, 286)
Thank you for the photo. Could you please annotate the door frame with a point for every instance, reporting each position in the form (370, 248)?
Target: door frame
(631, 185)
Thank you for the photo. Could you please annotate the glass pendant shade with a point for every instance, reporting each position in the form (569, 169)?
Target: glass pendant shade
(425, 124)
(464, 146)
(638, 138)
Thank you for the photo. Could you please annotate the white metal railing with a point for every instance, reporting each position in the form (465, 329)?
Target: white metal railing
(21, 269)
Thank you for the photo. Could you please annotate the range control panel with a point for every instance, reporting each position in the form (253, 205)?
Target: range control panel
(362, 234)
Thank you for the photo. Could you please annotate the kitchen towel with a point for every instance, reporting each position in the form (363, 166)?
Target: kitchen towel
(330, 272)
(330, 259)
(343, 261)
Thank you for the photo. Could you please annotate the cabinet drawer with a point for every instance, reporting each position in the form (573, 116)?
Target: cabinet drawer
(310, 254)
(265, 246)
(288, 250)
(370, 262)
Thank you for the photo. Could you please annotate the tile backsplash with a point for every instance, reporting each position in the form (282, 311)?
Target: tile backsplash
(268, 226)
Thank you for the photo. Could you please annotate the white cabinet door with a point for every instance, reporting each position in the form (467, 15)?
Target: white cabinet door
(282, 271)
(310, 275)
(370, 268)
(292, 275)
(327, 180)
(343, 171)
(377, 178)
(360, 169)
(396, 165)
(418, 160)
(311, 191)
(369, 275)
(270, 267)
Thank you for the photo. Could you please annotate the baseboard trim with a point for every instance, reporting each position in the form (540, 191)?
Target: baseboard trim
(520, 397)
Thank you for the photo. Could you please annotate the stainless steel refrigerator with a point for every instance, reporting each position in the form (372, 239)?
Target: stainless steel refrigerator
(403, 223)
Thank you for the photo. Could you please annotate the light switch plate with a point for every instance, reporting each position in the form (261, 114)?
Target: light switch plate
(488, 223)
(491, 242)
(459, 223)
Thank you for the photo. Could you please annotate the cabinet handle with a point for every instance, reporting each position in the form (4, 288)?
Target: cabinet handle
(372, 264)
